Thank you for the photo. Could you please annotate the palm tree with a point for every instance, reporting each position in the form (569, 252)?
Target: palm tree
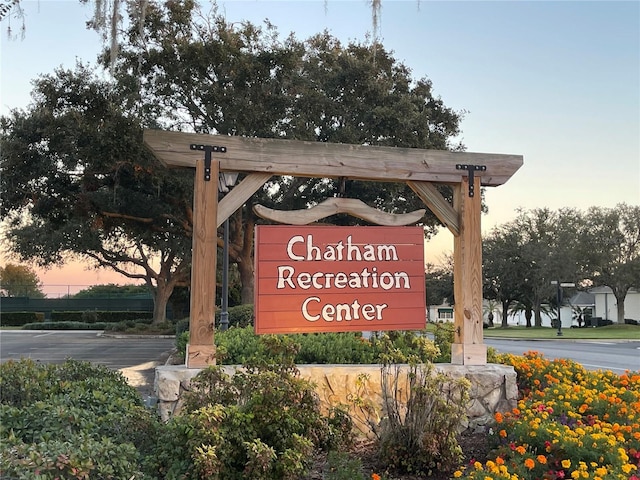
(488, 308)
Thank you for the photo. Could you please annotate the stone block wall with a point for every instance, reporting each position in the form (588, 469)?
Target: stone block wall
(493, 388)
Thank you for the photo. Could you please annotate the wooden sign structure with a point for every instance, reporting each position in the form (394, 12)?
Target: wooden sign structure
(261, 158)
(339, 279)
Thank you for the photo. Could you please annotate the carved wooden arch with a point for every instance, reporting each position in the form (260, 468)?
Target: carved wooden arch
(261, 158)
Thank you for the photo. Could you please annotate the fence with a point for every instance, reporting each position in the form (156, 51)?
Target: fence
(47, 305)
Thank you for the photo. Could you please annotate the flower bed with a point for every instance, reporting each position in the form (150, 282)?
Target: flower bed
(570, 423)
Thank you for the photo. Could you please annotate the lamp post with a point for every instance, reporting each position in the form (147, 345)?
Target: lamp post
(559, 300)
(226, 180)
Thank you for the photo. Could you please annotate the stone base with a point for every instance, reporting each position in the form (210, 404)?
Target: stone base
(493, 388)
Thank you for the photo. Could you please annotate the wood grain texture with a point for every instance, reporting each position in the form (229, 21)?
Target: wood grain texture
(468, 347)
(200, 356)
(433, 199)
(240, 194)
(330, 160)
(332, 206)
(204, 253)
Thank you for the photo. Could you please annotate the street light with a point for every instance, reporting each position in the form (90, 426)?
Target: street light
(559, 300)
(226, 180)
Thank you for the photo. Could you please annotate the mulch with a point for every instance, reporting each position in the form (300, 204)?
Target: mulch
(475, 447)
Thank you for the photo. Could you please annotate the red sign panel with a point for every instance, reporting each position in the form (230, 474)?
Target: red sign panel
(338, 279)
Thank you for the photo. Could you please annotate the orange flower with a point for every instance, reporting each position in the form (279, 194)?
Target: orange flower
(529, 463)
(503, 433)
(499, 418)
(375, 476)
(541, 459)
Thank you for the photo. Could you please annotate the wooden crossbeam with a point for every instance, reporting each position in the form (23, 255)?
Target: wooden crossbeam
(330, 160)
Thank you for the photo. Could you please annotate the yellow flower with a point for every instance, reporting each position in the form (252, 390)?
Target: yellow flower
(457, 474)
(565, 463)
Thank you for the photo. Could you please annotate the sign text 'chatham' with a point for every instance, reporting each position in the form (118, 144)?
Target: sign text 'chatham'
(336, 279)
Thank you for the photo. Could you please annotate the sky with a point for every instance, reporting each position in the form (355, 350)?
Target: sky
(555, 82)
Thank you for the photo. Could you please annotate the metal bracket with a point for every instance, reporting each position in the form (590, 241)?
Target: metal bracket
(471, 169)
(207, 149)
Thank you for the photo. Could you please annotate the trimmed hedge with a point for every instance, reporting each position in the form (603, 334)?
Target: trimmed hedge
(239, 316)
(18, 319)
(65, 326)
(99, 316)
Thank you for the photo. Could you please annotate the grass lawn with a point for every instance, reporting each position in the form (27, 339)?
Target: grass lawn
(610, 332)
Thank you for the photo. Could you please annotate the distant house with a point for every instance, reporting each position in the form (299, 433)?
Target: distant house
(440, 313)
(606, 306)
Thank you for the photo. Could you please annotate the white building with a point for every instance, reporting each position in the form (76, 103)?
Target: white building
(606, 306)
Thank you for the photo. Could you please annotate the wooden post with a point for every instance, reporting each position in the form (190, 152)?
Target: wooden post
(468, 347)
(201, 350)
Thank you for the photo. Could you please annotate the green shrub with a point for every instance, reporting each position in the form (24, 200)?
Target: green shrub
(57, 316)
(239, 316)
(443, 336)
(237, 345)
(18, 319)
(82, 457)
(99, 316)
(142, 326)
(57, 419)
(341, 466)
(262, 422)
(422, 435)
(65, 326)
(182, 326)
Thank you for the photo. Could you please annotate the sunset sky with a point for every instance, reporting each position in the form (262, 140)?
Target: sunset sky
(556, 82)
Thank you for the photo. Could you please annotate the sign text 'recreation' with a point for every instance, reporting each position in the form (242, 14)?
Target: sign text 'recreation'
(331, 279)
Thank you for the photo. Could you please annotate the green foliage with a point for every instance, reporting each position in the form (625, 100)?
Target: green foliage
(82, 457)
(19, 281)
(112, 290)
(421, 436)
(65, 326)
(71, 420)
(239, 316)
(262, 422)
(341, 466)
(236, 346)
(144, 326)
(18, 319)
(93, 316)
(443, 336)
(335, 348)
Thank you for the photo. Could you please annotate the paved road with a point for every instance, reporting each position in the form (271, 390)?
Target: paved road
(56, 346)
(123, 353)
(594, 355)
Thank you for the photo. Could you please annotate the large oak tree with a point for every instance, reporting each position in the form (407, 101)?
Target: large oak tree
(76, 179)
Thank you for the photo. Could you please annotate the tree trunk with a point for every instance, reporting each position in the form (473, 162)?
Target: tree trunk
(242, 233)
(505, 313)
(528, 313)
(160, 300)
(620, 294)
(166, 281)
(537, 306)
(245, 264)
